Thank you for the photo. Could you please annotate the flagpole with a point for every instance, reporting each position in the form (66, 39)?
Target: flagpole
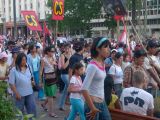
(118, 31)
(56, 31)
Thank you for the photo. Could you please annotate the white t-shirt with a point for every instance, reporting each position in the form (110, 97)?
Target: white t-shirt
(117, 72)
(78, 83)
(136, 100)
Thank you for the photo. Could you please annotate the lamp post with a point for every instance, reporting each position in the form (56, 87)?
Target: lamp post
(14, 15)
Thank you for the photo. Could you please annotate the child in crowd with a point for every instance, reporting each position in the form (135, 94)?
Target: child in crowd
(77, 103)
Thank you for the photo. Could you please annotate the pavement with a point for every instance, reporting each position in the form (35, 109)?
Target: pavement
(43, 115)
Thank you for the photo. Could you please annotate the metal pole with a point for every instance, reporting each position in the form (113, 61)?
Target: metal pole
(134, 13)
(56, 31)
(145, 17)
(14, 15)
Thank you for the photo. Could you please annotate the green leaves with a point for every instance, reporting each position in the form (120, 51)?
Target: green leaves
(7, 109)
(78, 14)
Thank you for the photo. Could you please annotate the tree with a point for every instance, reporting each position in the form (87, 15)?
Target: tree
(78, 14)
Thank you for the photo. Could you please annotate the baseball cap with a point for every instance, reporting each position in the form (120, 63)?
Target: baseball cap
(152, 44)
(114, 50)
(139, 53)
(3, 55)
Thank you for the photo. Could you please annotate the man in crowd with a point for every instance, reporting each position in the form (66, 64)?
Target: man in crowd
(152, 66)
(135, 99)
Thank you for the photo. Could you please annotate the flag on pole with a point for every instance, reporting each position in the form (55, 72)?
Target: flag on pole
(58, 10)
(46, 30)
(46, 35)
(124, 38)
(31, 20)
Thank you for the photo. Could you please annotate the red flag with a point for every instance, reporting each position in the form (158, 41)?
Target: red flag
(123, 37)
(31, 20)
(46, 30)
(118, 17)
(58, 10)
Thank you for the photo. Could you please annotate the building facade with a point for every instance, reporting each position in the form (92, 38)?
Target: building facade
(7, 15)
(152, 13)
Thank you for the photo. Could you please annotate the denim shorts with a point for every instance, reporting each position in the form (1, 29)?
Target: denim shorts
(103, 115)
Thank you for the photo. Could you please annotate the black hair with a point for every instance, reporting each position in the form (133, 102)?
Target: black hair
(78, 46)
(47, 49)
(18, 61)
(121, 44)
(31, 47)
(67, 45)
(25, 45)
(77, 66)
(11, 43)
(118, 55)
(94, 52)
(108, 87)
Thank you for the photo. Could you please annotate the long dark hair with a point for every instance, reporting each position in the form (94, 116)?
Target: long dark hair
(94, 52)
(19, 60)
(47, 49)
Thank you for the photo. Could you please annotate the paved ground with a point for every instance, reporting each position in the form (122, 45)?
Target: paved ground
(43, 115)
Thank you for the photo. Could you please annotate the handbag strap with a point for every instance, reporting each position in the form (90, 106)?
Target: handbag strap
(30, 71)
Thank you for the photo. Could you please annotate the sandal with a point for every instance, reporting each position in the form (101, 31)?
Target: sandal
(44, 107)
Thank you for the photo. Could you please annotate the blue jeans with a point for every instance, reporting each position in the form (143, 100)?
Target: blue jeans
(77, 106)
(118, 89)
(65, 79)
(36, 79)
(27, 102)
(103, 115)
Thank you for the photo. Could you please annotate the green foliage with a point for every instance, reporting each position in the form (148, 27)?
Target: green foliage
(110, 22)
(78, 14)
(7, 110)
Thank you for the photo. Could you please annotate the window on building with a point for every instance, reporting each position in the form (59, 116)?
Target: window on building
(25, 6)
(31, 6)
(158, 11)
(158, 21)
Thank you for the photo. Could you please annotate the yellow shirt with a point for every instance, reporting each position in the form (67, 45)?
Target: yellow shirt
(112, 103)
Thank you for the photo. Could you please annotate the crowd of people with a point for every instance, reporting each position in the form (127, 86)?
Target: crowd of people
(91, 76)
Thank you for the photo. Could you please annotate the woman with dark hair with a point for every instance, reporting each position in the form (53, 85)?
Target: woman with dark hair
(20, 79)
(117, 73)
(76, 57)
(33, 59)
(64, 59)
(93, 85)
(48, 69)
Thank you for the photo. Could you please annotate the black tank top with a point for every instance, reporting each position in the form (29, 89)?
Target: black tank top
(65, 71)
